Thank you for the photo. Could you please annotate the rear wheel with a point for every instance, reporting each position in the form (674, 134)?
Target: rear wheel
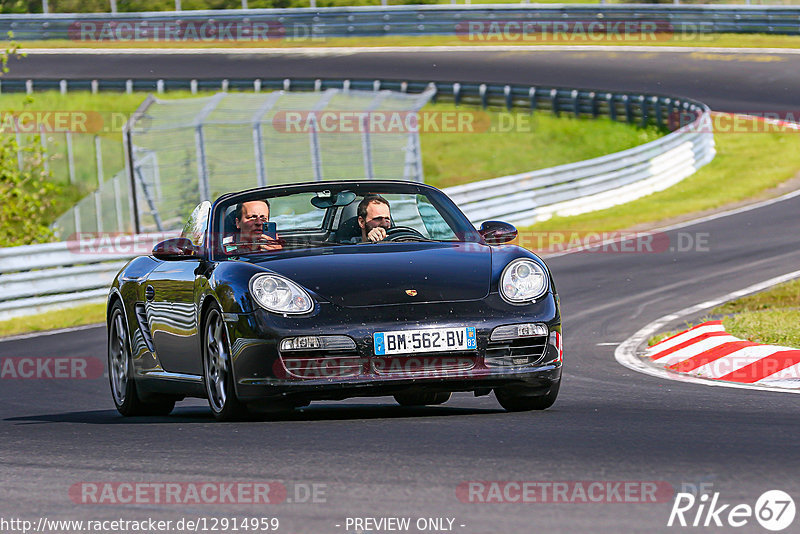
(218, 370)
(516, 400)
(123, 385)
(422, 398)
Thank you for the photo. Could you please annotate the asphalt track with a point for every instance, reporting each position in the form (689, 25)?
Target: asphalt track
(377, 459)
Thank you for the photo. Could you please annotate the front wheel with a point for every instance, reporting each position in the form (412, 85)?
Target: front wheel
(218, 370)
(123, 385)
(515, 400)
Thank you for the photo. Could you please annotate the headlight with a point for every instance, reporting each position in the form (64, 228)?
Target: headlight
(280, 295)
(522, 280)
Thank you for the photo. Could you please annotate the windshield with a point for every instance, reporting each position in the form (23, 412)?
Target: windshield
(364, 213)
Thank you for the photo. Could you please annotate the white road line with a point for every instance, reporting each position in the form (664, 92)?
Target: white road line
(626, 352)
(345, 50)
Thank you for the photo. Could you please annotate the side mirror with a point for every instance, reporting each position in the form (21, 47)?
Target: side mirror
(497, 232)
(177, 248)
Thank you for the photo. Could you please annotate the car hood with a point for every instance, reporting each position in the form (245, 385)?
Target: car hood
(390, 273)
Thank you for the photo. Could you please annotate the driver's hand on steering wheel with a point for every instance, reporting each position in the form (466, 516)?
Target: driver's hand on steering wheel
(376, 234)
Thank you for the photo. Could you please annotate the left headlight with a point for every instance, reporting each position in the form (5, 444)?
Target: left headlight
(523, 280)
(280, 295)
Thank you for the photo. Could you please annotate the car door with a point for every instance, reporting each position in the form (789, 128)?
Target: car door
(171, 304)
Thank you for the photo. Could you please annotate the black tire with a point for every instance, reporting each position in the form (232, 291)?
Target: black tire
(422, 398)
(218, 370)
(120, 372)
(515, 401)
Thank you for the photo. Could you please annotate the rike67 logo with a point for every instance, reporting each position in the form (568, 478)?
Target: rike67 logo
(774, 510)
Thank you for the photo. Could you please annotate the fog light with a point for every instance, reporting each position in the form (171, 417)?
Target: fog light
(300, 343)
(316, 343)
(514, 331)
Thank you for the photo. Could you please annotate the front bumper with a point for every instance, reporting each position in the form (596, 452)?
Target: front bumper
(263, 372)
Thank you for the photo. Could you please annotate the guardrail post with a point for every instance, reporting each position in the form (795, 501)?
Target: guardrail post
(554, 101)
(576, 107)
(317, 85)
(612, 107)
(287, 84)
(456, 93)
(645, 112)
(257, 85)
(484, 98)
(628, 111)
(508, 97)
(29, 87)
(62, 85)
(659, 114)
(193, 87)
(95, 87)
(593, 102)
(532, 98)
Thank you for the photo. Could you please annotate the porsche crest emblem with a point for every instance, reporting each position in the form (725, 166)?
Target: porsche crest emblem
(411, 292)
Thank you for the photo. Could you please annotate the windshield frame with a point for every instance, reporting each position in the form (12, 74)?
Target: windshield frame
(453, 216)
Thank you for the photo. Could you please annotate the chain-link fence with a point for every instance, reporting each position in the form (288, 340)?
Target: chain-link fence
(189, 150)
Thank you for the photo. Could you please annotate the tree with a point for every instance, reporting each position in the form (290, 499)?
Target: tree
(27, 195)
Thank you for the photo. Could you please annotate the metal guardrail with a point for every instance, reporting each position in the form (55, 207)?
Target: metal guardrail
(37, 277)
(588, 185)
(310, 23)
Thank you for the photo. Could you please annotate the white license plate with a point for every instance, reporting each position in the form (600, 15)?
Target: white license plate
(427, 340)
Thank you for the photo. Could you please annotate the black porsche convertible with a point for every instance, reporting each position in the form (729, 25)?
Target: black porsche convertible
(275, 297)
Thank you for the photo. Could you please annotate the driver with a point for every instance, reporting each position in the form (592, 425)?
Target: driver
(374, 218)
(250, 219)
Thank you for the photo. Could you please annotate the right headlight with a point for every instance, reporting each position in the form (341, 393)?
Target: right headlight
(523, 280)
(280, 295)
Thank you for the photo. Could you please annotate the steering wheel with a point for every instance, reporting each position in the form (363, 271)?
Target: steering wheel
(403, 233)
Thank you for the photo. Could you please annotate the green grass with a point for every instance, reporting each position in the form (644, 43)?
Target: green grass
(704, 40)
(533, 142)
(52, 320)
(747, 166)
(771, 317)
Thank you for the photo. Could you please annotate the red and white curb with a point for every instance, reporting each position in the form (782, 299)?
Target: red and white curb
(708, 351)
(633, 354)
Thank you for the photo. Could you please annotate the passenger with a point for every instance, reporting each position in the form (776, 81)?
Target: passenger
(250, 219)
(374, 218)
